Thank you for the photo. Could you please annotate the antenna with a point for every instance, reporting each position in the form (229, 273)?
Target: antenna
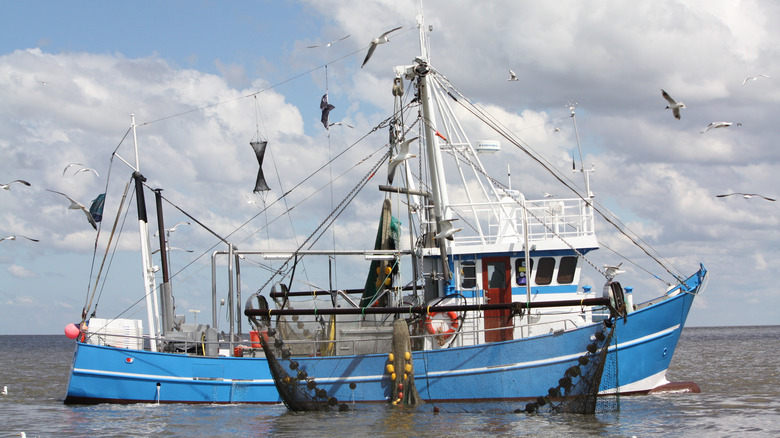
(586, 173)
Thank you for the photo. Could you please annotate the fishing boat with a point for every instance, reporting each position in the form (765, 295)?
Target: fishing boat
(472, 292)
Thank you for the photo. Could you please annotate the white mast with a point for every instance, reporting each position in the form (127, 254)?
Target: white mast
(152, 307)
(435, 164)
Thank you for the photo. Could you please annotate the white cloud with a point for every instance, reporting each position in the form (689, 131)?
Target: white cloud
(658, 174)
(21, 272)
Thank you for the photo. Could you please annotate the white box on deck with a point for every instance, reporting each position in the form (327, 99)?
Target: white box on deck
(120, 333)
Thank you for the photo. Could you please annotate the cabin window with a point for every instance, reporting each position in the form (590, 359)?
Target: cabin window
(468, 275)
(544, 272)
(521, 272)
(566, 270)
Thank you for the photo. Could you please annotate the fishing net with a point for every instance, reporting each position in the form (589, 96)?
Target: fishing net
(298, 391)
(380, 273)
(577, 391)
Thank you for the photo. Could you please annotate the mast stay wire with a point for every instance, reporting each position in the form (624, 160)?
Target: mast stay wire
(481, 114)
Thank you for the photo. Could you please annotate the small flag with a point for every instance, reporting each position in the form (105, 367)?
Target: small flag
(326, 109)
(96, 208)
(438, 134)
(259, 147)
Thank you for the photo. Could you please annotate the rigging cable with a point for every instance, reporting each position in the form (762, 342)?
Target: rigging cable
(475, 110)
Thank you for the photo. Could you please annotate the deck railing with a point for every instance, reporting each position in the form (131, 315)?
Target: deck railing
(497, 222)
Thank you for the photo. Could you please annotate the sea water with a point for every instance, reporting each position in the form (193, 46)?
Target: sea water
(737, 369)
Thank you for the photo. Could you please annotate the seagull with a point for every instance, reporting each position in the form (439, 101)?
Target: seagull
(403, 155)
(328, 44)
(753, 78)
(613, 271)
(715, 125)
(8, 186)
(673, 105)
(377, 41)
(69, 166)
(746, 196)
(87, 169)
(447, 230)
(173, 228)
(512, 76)
(341, 124)
(5, 391)
(75, 205)
(548, 195)
(14, 238)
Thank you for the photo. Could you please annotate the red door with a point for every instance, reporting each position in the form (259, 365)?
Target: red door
(498, 289)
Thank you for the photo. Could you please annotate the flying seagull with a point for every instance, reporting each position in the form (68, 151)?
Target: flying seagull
(403, 155)
(87, 169)
(341, 124)
(17, 236)
(377, 41)
(753, 78)
(746, 196)
(8, 186)
(69, 166)
(673, 104)
(75, 205)
(512, 76)
(447, 229)
(715, 125)
(328, 44)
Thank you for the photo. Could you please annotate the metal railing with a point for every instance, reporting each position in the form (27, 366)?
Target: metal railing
(491, 222)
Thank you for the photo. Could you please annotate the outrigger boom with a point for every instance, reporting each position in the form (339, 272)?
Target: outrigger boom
(516, 306)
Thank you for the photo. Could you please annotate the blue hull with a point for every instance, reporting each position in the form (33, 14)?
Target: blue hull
(525, 369)
(643, 343)
(114, 375)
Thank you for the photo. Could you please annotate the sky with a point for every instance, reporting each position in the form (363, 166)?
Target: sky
(204, 78)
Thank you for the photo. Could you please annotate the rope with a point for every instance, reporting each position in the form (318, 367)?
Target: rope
(495, 125)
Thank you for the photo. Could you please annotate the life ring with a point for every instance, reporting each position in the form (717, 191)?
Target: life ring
(451, 325)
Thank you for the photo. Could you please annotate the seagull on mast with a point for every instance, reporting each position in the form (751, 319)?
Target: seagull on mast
(75, 205)
(8, 186)
(613, 271)
(673, 104)
(377, 41)
(715, 125)
(327, 44)
(746, 196)
(512, 76)
(753, 78)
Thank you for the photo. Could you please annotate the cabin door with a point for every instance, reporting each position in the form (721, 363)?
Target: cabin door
(498, 289)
